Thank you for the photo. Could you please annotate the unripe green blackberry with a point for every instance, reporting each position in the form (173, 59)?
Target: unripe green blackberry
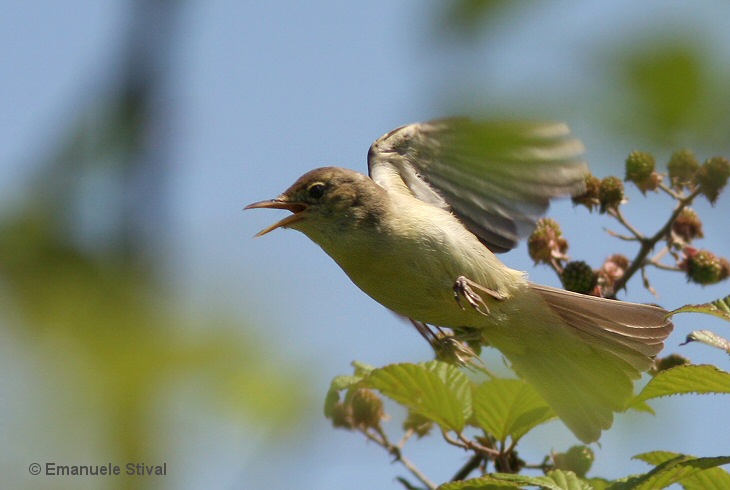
(704, 267)
(341, 416)
(610, 193)
(577, 459)
(688, 225)
(367, 408)
(682, 166)
(640, 170)
(668, 362)
(546, 241)
(419, 424)
(578, 277)
(589, 198)
(713, 176)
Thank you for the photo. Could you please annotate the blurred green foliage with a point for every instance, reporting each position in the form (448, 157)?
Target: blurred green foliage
(81, 282)
(674, 89)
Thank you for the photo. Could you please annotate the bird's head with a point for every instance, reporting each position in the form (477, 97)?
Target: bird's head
(327, 200)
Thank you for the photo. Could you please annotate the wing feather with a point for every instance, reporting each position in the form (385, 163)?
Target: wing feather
(497, 177)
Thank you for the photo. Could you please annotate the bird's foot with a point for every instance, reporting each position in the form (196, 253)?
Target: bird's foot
(463, 288)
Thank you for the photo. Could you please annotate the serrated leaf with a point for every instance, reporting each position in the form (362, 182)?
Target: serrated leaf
(710, 479)
(710, 338)
(641, 407)
(699, 379)
(719, 308)
(434, 392)
(456, 380)
(509, 408)
(554, 480)
(669, 472)
(481, 483)
(597, 483)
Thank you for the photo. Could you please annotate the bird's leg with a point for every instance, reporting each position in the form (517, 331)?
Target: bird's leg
(446, 347)
(425, 331)
(463, 287)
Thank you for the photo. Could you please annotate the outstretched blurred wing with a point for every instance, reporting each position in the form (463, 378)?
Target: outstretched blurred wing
(496, 177)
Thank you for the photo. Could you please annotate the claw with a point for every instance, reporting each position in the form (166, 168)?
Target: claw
(463, 287)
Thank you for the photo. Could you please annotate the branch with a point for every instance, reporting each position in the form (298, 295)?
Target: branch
(647, 244)
(381, 439)
(616, 213)
(468, 467)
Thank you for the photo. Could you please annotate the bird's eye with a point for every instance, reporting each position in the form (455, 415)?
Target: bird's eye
(315, 191)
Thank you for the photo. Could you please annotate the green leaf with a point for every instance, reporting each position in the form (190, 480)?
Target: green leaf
(435, 390)
(641, 407)
(361, 368)
(456, 379)
(709, 479)
(709, 338)
(669, 472)
(719, 308)
(481, 483)
(554, 480)
(699, 379)
(597, 483)
(338, 384)
(509, 408)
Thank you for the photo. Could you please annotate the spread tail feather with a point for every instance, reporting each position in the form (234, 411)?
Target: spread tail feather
(584, 352)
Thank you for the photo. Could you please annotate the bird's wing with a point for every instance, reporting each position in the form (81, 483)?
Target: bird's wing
(496, 177)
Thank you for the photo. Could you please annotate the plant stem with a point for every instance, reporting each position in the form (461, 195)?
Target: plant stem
(647, 243)
(381, 439)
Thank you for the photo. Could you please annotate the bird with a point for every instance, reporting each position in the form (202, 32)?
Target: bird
(420, 235)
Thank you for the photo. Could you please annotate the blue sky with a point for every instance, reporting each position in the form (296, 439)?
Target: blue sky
(261, 92)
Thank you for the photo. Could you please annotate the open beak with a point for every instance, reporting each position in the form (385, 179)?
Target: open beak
(295, 207)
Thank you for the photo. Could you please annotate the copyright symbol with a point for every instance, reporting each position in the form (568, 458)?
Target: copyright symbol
(34, 468)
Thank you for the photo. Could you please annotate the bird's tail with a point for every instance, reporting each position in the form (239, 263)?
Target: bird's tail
(582, 353)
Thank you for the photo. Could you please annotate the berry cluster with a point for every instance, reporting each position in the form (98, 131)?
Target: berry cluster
(684, 181)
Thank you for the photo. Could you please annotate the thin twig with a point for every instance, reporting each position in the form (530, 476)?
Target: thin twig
(663, 267)
(381, 439)
(671, 192)
(647, 245)
(616, 213)
(471, 445)
(647, 284)
(625, 238)
(555, 265)
(473, 463)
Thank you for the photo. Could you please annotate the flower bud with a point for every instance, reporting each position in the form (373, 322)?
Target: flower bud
(577, 459)
(688, 225)
(589, 198)
(704, 267)
(612, 270)
(419, 424)
(546, 241)
(713, 176)
(682, 166)
(578, 277)
(640, 170)
(610, 193)
(367, 408)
